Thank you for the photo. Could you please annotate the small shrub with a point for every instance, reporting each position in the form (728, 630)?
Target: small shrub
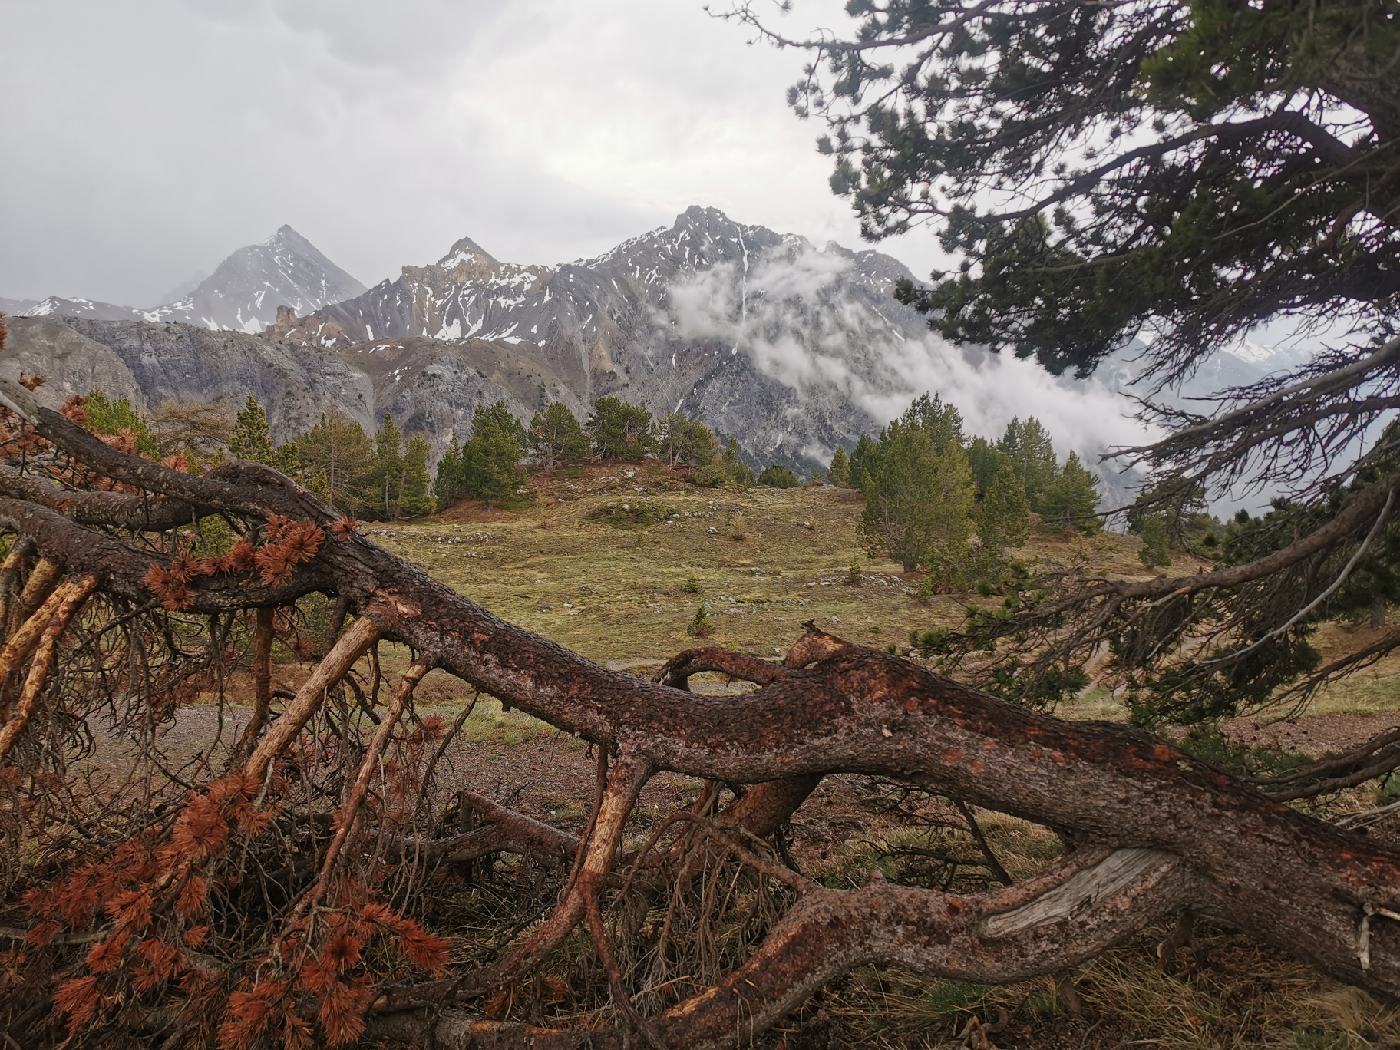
(853, 572)
(633, 514)
(700, 626)
(933, 642)
(1209, 743)
(778, 477)
(691, 586)
(928, 588)
(711, 475)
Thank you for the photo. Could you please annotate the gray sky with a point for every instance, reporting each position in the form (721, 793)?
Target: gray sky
(147, 139)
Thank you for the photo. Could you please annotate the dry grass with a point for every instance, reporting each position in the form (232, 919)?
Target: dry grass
(762, 561)
(620, 586)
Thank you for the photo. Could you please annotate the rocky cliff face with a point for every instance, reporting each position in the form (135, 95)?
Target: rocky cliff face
(242, 294)
(426, 386)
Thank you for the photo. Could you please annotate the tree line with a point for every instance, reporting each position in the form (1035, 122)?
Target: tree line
(387, 476)
(929, 490)
(488, 464)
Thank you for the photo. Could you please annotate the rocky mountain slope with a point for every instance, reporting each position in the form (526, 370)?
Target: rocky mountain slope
(790, 347)
(431, 387)
(707, 316)
(242, 294)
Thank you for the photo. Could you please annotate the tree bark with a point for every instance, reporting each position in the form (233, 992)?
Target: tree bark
(1162, 830)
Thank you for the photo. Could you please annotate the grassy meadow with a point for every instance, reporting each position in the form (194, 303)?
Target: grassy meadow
(615, 561)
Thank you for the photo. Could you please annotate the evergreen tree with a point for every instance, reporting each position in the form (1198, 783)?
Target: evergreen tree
(492, 454)
(335, 459)
(114, 417)
(687, 442)
(919, 495)
(1004, 517)
(1029, 448)
(864, 461)
(985, 458)
(620, 431)
(670, 436)
(450, 482)
(839, 473)
(196, 430)
(1156, 551)
(388, 468)
(1073, 498)
(1178, 505)
(1130, 185)
(937, 418)
(252, 439)
(739, 473)
(556, 437)
(778, 477)
(416, 497)
(1197, 167)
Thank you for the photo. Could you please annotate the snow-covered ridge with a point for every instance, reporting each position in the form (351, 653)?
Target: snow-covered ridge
(242, 294)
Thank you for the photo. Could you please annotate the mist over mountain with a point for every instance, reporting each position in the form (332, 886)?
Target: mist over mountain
(791, 347)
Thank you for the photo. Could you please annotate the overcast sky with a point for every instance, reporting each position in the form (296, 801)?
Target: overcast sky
(145, 140)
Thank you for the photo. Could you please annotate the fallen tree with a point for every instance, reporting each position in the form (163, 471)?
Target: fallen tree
(266, 892)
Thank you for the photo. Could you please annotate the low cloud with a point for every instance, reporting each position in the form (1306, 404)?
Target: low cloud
(805, 320)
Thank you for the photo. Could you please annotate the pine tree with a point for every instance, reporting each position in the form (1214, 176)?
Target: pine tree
(1200, 168)
(197, 430)
(670, 436)
(492, 453)
(1004, 517)
(687, 442)
(556, 437)
(449, 483)
(388, 468)
(112, 417)
(839, 473)
(937, 418)
(778, 477)
(252, 439)
(985, 459)
(919, 495)
(699, 449)
(1179, 506)
(620, 431)
(416, 498)
(1028, 446)
(1073, 498)
(1156, 551)
(739, 473)
(864, 461)
(335, 460)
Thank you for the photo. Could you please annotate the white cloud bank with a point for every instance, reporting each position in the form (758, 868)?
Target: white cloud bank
(804, 321)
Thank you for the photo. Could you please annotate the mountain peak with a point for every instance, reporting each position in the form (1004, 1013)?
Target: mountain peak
(469, 257)
(703, 215)
(286, 236)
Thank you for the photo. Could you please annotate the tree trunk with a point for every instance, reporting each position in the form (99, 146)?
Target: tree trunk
(1156, 829)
